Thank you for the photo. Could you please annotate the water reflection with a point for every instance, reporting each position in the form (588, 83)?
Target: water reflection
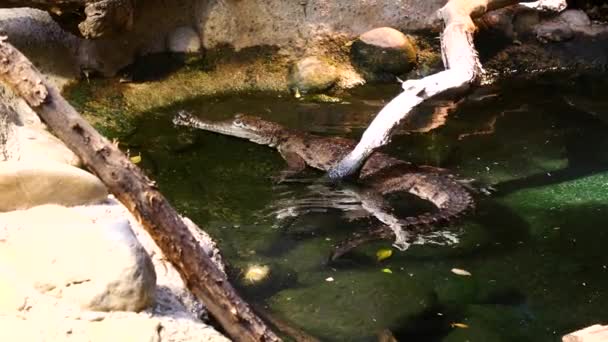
(530, 247)
(294, 206)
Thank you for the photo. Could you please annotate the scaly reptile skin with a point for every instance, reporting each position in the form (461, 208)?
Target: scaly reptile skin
(380, 173)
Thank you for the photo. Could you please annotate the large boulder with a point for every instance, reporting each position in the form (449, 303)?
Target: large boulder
(172, 296)
(31, 309)
(94, 265)
(312, 74)
(28, 184)
(384, 50)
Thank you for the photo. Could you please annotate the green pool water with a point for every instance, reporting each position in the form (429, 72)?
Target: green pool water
(536, 248)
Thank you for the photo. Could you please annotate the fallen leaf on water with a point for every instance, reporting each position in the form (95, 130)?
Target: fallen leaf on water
(256, 273)
(459, 325)
(387, 270)
(136, 159)
(461, 272)
(383, 254)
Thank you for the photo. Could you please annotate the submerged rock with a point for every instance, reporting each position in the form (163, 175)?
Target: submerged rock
(312, 75)
(330, 308)
(27, 184)
(93, 265)
(575, 18)
(565, 26)
(555, 31)
(524, 22)
(384, 50)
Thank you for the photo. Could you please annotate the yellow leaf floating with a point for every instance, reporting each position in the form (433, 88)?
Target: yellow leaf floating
(136, 159)
(459, 325)
(387, 270)
(383, 254)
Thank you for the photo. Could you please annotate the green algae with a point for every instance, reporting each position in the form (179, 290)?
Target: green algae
(337, 311)
(102, 103)
(534, 248)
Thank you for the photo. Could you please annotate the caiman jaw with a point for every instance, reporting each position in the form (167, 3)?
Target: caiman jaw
(227, 127)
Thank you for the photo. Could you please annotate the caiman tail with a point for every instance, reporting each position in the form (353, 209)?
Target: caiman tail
(450, 197)
(381, 174)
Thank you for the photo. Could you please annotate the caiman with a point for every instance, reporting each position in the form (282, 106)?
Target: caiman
(380, 174)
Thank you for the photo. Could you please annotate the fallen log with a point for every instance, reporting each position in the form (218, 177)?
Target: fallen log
(463, 70)
(89, 18)
(139, 195)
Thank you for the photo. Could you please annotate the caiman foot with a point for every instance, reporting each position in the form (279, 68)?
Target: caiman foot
(279, 178)
(477, 187)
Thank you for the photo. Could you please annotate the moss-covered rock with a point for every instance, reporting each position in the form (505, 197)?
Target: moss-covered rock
(312, 75)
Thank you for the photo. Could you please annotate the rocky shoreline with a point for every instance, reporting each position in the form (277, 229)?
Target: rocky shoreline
(75, 265)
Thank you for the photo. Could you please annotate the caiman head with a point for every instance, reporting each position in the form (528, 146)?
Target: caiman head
(242, 126)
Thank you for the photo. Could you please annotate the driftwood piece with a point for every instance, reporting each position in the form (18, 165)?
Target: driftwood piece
(89, 18)
(463, 70)
(139, 194)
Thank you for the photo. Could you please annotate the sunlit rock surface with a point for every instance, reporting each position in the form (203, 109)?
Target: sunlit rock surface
(59, 264)
(41, 39)
(28, 184)
(172, 295)
(384, 50)
(94, 265)
(23, 136)
(13, 293)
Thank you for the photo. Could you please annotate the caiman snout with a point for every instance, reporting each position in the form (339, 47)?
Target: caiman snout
(242, 126)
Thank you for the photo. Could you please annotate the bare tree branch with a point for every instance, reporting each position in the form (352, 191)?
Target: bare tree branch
(463, 70)
(139, 194)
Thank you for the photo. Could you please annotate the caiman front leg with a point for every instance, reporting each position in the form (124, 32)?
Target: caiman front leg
(392, 229)
(295, 165)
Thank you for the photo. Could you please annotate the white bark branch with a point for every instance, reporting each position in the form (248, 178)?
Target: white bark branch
(463, 69)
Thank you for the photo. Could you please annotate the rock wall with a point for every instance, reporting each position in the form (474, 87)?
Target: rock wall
(285, 30)
(302, 26)
(296, 28)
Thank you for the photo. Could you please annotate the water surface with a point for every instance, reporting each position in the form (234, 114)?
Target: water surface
(535, 248)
